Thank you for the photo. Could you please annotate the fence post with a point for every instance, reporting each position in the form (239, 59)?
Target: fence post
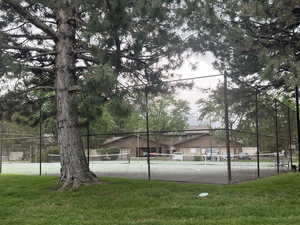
(257, 133)
(1, 145)
(290, 137)
(147, 129)
(88, 143)
(276, 135)
(227, 129)
(298, 124)
(40, 147)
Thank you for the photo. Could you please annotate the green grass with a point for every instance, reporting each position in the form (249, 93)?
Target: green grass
(32, 200)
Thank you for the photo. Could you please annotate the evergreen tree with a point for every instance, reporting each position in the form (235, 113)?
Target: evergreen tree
(254, 41)
(75, 50)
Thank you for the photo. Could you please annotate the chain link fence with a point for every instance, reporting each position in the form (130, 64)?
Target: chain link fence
(250, 136)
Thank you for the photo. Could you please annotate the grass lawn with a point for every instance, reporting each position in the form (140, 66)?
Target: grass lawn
(32, 200)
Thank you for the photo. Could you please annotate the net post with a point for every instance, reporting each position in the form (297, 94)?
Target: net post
(227, 129)
(128, 158)
(276, 135)
(257, 133)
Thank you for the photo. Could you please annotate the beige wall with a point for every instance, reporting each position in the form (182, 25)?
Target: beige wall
(132, 143)
(207, 142)
(15, 156)
(192, 147)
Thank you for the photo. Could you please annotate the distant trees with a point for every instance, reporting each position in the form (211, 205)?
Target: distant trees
(165, 114)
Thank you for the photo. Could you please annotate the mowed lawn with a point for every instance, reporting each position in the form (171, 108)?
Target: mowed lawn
(31, 200)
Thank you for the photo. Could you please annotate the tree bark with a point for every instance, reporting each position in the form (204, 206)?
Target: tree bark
(74, 167)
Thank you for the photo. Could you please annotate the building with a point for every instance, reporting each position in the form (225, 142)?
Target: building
(188, 143)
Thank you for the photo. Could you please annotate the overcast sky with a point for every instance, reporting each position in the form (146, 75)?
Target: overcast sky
(204, 68)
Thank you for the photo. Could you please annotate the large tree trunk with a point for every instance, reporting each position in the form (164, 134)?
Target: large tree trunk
(74, 167)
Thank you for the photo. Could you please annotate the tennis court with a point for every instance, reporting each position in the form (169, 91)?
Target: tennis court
(214, 172)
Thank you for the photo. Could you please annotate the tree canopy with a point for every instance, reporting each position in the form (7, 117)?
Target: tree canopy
(254, 41)
(76, 58)
(78, 55)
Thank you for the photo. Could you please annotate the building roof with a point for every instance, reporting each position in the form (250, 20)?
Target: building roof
(115, 139)
(191, 139)
(163, 140)
(197, 130)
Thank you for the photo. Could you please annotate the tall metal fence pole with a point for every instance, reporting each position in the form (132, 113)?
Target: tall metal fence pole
(147, 129)
(290, 137)
(276, 135)
(227, 129)
(298, 124)
(1, 145)
(257, 133)
(88, 143)
(40, 147)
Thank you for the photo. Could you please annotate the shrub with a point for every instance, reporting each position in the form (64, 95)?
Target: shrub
(198, 158)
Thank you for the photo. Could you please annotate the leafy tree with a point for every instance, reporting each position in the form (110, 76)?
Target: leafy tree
(241, 103)
(80, 51)
(118, 116)
(242, 116)
(165, 113)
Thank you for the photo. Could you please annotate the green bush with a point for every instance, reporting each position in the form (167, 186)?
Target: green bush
(109, 151)
(198, 158)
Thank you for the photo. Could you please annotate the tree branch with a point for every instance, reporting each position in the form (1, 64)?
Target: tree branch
(32, 19)
(24, 48)
(88, 58)
(40, 69)
(30, 37)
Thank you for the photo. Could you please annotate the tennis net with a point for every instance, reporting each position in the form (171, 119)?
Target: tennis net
(97, 158)
(207, 158)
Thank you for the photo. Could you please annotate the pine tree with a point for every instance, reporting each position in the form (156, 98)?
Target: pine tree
(254, 41)
(75, 49)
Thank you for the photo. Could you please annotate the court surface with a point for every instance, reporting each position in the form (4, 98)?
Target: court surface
(186, 171)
